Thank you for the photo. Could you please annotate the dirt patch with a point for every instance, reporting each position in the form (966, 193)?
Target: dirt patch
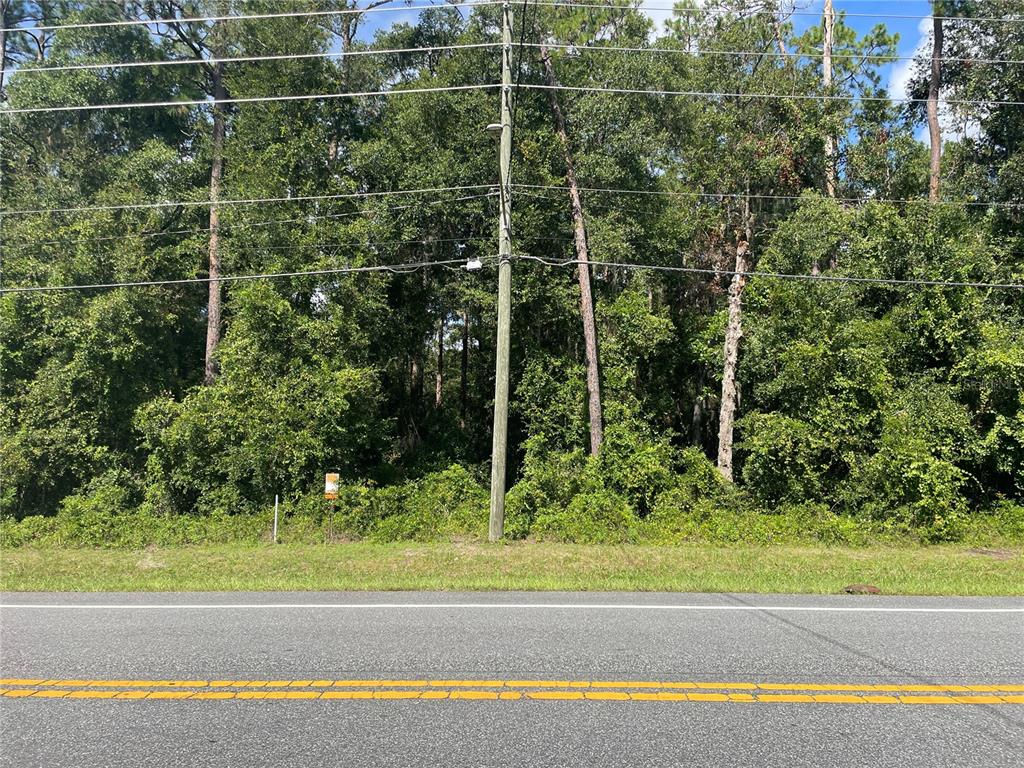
(149, 561)
(995, 554)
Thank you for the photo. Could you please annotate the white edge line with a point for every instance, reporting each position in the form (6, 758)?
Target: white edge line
(491, 606)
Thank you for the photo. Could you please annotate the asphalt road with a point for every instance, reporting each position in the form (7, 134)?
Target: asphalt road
(423, 679)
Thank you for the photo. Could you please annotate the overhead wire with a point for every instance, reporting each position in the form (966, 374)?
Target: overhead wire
(778, 275)
(755, 13)
(367, 243)
(641, 7)
(569, 47)
(601, 48)
(246, 17)
(245, 201)
(405, 268)
(248, 99)
(491, 86)
(522, 44)
(309, 219)
(783, 96)
(756, 196)
(242, 59)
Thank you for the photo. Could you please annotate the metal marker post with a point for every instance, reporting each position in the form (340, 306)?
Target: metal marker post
(275, 518)
(496, 527)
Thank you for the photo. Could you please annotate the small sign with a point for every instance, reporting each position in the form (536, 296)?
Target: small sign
(331, 485)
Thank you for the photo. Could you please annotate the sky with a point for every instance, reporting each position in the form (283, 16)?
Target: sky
(913, 32)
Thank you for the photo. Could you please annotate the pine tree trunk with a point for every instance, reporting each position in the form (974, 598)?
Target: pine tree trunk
(583, 268)
(697, 417)
(416, 381)
(464, 372)
(934, 132)
(5, 5)
(730, 390)
(213, 307)
(439, 375)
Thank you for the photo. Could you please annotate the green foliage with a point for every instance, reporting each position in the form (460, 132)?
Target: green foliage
(866, 409)
(442, 505)
(594, 516)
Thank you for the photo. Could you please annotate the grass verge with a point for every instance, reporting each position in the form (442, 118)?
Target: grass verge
(936, 570)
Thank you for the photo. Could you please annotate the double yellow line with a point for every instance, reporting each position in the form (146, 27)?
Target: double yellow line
(508, 690)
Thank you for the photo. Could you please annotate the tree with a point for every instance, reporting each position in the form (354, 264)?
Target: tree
(934, 87)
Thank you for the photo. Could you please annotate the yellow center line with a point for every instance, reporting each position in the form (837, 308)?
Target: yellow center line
(553, 690)
(888, 688)
(489, 694)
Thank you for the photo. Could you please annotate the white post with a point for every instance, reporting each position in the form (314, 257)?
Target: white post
(275, 518)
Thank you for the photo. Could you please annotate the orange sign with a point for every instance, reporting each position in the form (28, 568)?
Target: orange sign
(331, 485)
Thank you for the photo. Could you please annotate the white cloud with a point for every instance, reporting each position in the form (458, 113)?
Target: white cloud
(659, 15)
(903, 71)
(954, 126)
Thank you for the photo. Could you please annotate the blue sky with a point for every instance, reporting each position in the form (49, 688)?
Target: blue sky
(912, 31)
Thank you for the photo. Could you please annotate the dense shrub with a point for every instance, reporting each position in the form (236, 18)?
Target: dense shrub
(595, 516)
(446, 504)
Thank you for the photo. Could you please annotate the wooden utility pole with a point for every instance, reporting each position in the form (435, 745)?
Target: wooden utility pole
(583, 265)
(829, 21)
(499, 445)
(934, 84)
(213, 320)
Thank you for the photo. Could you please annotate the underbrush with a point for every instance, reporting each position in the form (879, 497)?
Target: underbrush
(569, 498)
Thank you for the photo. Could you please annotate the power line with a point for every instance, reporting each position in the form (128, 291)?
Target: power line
(239, 59)
(780, 275)
(367, 244)
(752, 196)
(704, 12)
(248, 201)
(247, 99)
(785, 96)
(483, 3)
(243, 17)
(469, 46)
(770, 53)
(248, 224)
(489, 86)
(395, 268)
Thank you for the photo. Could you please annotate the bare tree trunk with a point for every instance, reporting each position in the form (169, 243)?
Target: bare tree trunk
(934, 133)
(439, 375)
(415, 381)
(697, 419)
(829, 21)
(213, 315)
(583, 268)
(5, 6)
(464, 373)
(730, 391)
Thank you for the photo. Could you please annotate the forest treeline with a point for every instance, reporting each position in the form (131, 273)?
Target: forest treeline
(640, 396)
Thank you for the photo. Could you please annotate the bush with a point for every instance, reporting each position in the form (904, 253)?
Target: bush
(445, 504)
(906, 488)
(597, 516)
(781, 458)
(637, 465)
(1003, 523)
(549, 482)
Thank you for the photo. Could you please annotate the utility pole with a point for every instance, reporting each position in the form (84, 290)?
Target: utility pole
(499, 447)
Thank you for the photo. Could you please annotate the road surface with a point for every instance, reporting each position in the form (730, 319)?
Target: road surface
(524, 679)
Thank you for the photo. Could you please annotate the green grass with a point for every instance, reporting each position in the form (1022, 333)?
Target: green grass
(935, 570)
